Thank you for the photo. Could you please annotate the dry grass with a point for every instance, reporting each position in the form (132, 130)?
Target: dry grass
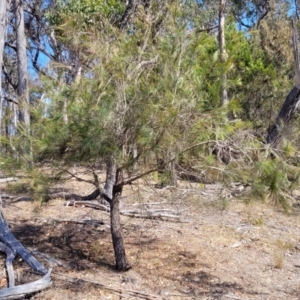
(243, 251)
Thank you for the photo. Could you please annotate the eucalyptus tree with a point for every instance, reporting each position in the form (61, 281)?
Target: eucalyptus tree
(3, 19)
(23, 88)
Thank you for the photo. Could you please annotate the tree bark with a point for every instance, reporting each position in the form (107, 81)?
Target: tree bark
(116, 234)
(23, 93)
(2, 41)
(286, 113)
(291, 102)
(113, 189)
(223, 54)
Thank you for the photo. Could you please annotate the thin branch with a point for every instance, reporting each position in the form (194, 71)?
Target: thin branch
(261, 17)
(208, 29)
(8, 99)
(8, 78)
(132, 179)
(143, 64)
(39, 47)
(238, 19)
(89, 204)
(95, 183)
(11, 46)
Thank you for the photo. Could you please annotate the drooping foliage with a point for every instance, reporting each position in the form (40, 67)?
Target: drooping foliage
(148, 82)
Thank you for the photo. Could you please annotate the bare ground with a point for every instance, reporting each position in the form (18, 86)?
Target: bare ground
(219, 249)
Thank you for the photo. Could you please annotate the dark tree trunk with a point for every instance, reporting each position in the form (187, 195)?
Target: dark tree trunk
(116, 234)
(114, 191)
(285, 115)
(291, 102)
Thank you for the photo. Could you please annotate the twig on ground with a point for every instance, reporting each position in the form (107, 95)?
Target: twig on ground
(88, 204)
(149, 215)
(84, 221)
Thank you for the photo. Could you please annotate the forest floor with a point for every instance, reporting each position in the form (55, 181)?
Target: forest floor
(219, 248)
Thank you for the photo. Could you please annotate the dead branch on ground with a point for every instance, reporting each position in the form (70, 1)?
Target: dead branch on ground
(12, 247)
(20, 291)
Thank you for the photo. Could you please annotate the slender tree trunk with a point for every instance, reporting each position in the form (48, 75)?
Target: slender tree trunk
(116, 234)
(114, 194)
(2, 41)
(23, 92)
(134, 157)
(223, 54)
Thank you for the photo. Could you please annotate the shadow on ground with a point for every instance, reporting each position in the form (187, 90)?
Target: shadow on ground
(79, 246)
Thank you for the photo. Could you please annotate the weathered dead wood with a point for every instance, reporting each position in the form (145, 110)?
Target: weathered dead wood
(84, 221)
(20, 291)
(9, 240)
(63, 195)
(149, 215)
(10, 256)
(231, 296)
(151, 203)
(21, 198)
(152, 212)
(88, 204)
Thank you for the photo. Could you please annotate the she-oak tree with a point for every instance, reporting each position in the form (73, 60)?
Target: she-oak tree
(141, 89)
(134, 93)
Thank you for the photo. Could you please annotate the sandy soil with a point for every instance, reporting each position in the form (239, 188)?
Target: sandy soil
(218, 249)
